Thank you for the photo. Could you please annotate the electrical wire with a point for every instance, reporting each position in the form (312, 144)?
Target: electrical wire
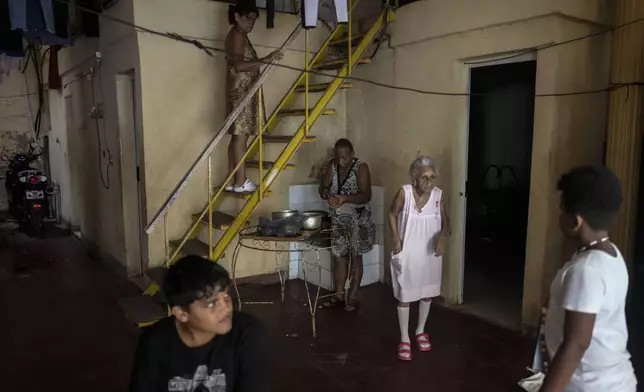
(31, 56)
(110, 160)
(555, 44)
(105, 179)
(208, 50)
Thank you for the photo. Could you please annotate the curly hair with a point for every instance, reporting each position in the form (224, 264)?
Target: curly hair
(594, 193)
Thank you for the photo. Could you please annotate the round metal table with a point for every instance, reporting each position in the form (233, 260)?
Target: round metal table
(306, 244)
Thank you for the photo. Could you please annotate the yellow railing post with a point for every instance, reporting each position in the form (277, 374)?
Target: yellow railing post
(349, 39)
(165, 239)
(260, 131)
(306, 82)
(210, 206)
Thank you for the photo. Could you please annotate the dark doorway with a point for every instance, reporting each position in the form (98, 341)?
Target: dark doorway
(498, 189)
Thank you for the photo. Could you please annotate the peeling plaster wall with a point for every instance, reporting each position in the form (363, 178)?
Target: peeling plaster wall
(17, 115)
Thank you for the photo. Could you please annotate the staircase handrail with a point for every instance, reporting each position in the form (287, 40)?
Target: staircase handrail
(205, 153)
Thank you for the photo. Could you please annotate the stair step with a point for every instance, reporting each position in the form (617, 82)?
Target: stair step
(244, 196)
(192, 247)
(157, 274)
(220, 221)
(267, 165)
(142, 309)
(343, 41)
(338, 63)
(316, 88)
(302, 112)
(285, 139)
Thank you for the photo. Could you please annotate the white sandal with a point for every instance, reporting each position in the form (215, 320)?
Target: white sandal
(247, 187)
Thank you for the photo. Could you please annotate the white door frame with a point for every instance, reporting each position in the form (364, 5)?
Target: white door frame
(464, 151)
(132, 188)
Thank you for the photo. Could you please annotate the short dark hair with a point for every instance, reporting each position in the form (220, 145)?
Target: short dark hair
(344, 143)
(193, 278)
(594, 193)
(243, 8)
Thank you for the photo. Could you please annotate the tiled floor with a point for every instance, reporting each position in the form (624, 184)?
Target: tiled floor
(62, 324)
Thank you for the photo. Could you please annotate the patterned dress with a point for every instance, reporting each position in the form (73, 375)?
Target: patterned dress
(353, 232)
(237, 86)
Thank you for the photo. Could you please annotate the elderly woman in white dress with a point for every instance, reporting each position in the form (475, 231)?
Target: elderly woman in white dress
(420, 228)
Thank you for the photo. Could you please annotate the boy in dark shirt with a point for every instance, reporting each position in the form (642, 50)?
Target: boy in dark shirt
(204, 346)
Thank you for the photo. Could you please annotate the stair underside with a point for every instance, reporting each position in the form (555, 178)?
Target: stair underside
(243, 196)
(344, 41)
(142, 309)
(302, 112)
(337, 64)
(267, 165)
(191, 247)
(285, 139)
(220, 220)
(316, 88)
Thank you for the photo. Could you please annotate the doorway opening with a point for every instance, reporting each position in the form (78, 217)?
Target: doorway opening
(499, 162)
(133, 190)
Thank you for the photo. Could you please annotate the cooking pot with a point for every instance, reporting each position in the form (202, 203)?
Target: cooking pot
(283, 214)
(311, 220)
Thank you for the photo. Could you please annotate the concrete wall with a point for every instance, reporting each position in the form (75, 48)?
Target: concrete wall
(184, 106)
(18, 113)
(430, 43)
(86, 202)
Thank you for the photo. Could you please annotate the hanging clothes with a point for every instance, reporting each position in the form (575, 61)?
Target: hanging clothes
(10, 41)
(32, 15)
(40, 20)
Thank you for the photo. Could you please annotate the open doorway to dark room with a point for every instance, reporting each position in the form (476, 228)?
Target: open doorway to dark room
(498, 189)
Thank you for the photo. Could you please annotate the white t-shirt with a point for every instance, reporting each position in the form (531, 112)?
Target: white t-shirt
(594, 282)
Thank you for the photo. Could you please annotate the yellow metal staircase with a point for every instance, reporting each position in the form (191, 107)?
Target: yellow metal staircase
(138, 309)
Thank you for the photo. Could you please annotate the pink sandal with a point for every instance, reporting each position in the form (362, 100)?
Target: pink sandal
(404, 349)
(423, 342)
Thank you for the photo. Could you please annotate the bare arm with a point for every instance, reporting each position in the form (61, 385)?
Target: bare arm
(364, 185)
(395, 210)
(578, 330)
(236, 48)
(326, 180)
(445, 226)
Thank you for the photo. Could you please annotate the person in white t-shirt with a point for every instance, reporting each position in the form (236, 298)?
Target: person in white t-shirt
(585, 328)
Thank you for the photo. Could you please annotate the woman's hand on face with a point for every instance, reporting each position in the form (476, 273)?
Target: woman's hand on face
(440, 245)
(398, 245)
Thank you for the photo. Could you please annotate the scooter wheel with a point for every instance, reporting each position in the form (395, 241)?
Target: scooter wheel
(36, 224)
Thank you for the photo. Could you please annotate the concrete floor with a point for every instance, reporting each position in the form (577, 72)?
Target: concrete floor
(62, 324)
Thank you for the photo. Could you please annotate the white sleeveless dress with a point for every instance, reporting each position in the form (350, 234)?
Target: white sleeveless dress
(416, 272)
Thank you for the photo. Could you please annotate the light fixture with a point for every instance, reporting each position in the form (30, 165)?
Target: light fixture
(310, 12)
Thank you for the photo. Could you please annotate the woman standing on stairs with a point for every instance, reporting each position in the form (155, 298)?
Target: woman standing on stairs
(420, 228)
(346, 185)
(242, 71)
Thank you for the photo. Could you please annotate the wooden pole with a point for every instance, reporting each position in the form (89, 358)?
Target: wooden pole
(624, 132)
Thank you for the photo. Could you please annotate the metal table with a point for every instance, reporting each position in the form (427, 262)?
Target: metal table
(307, 243)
